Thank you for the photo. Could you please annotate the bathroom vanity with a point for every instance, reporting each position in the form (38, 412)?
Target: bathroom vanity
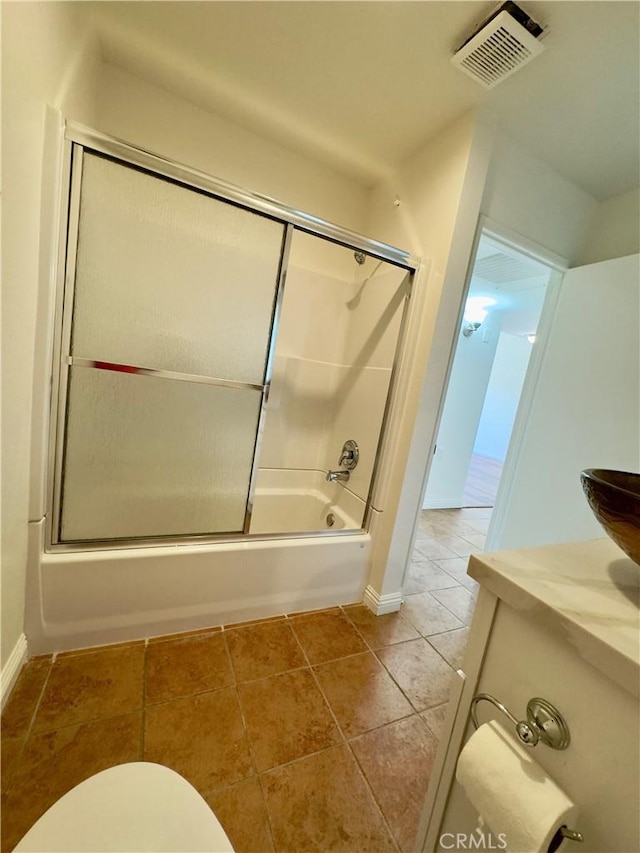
(560, 622)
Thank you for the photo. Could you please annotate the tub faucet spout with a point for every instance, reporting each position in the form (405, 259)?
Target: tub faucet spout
(342, 476)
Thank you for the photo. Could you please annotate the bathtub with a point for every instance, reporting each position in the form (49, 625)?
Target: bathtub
(77, 599)
(302, 501)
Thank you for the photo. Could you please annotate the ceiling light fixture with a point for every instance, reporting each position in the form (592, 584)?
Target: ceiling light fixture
(470, 328)
(475, 311)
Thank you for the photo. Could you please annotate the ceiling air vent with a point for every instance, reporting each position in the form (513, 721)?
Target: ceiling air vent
(502, 45)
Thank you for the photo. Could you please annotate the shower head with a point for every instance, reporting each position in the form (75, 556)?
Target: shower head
(360, 257)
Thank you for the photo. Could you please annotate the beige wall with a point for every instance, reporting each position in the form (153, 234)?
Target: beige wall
(468, 170)
(439, 190)
(614, 230)
(44, 57)
(585, 411)
(531, 199)
(146, 115)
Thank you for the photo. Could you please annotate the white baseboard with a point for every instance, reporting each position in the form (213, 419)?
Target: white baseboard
(11, 670)
(381, 604)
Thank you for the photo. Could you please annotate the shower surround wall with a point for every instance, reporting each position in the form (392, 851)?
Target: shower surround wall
(336, 348)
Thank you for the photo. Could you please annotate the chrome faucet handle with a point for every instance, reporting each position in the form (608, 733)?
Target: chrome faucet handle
(349, 455)
(340, 476)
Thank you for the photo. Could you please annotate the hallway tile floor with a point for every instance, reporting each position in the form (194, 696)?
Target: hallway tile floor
(310, 732)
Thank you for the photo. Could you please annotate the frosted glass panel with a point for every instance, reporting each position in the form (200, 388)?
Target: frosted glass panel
(170, 278)
(155, 457)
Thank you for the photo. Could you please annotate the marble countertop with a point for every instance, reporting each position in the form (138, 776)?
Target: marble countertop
(588, 593)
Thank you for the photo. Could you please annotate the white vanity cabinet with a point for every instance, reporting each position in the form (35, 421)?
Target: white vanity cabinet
(560, 622)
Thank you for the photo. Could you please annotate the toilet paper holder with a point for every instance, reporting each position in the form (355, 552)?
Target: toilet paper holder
(544, 722)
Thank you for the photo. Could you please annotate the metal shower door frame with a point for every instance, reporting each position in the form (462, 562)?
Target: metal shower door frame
(77, 139)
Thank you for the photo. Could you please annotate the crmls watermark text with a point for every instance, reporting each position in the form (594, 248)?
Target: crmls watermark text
(473, 841)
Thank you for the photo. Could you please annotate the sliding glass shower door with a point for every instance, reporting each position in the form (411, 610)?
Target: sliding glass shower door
(168, 314)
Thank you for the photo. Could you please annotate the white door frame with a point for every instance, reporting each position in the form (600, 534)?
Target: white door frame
(558, 266)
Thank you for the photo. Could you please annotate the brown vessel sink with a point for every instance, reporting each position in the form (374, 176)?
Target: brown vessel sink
(614, 497)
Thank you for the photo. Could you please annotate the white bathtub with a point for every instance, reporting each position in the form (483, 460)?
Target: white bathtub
(302, 501)
(77, 599)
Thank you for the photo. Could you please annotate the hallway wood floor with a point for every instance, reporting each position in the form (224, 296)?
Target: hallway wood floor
(482, 482)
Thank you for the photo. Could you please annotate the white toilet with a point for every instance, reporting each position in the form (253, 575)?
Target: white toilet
(139, 807)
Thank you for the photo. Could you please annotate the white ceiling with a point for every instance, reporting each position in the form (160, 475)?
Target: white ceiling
(362, 85)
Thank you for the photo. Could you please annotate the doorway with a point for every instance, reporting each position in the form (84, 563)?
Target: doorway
(502, 310)
(506, 291)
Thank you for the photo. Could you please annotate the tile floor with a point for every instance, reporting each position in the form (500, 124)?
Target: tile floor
(310, 732)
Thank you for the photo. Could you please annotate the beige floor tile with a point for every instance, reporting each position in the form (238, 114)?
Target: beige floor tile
(243, 816)
(451, 645)
(431, 529)
(321, 803)
(185, 635)
(10, 749)
(480, 525)
(424, 529)
(264, 649)
(54, 762)
(286, 717)
(361, 693)
(247, 622)
(459, 544)
(459, 601)
(306, 613)
(184, 667)
(428, 615)
(397, 761)
(421, 673)
(8, 831)
(432, 549)
(435, 717)
(457, 569)
(417, 557)
(379, 631)
(201, 737)
(446, 522)
(327, 636)
(24, 697)
(92, 650)
(424, 576)
(477, 541)
(92, 686)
